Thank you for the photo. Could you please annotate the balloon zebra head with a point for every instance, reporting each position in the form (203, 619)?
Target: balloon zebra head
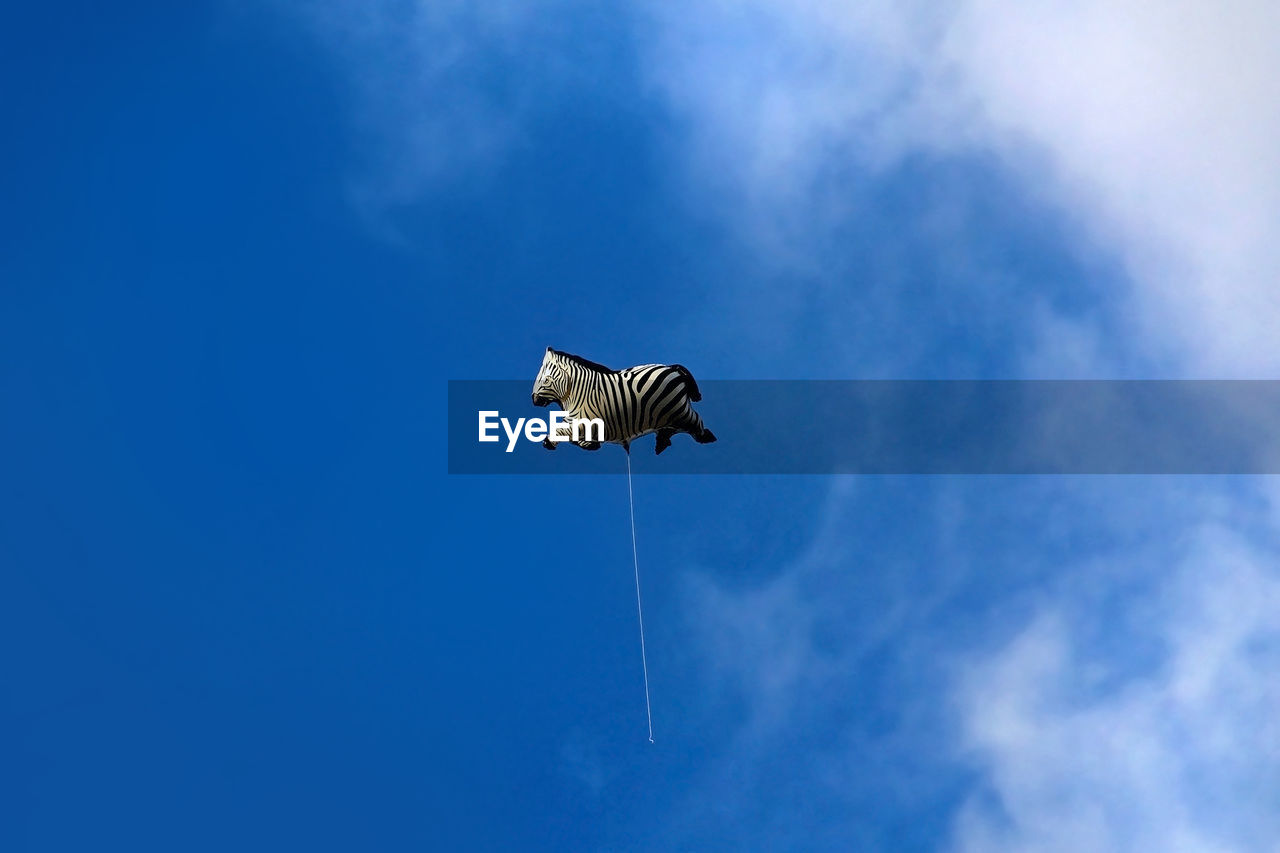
(552, 384)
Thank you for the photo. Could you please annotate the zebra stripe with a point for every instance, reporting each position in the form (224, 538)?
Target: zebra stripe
(631, 402)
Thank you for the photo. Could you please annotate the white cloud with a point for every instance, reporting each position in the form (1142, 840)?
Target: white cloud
(1115, 697)
(1162, 124)
(1156, 129)
(1157, 126)
(778, 96)
(1183, 757)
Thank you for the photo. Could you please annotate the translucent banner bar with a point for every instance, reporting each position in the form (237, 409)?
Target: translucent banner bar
(910, 427)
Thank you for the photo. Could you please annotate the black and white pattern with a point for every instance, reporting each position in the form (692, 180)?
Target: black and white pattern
(631, 402)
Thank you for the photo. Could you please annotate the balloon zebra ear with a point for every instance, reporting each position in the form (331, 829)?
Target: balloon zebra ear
(548, 349)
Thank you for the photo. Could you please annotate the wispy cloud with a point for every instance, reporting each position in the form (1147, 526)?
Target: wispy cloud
(1153, 129)
(827, 671)
(1110, 697)
(1183, 756)
(1045, 696)
(1156, 127)
(778, 98)
(1071, 666)
(435, 89)
(1162, 128)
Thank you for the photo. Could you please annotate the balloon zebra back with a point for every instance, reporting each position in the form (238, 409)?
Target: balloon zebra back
(631, 402)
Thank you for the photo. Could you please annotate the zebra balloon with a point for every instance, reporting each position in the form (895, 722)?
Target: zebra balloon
(631, 402)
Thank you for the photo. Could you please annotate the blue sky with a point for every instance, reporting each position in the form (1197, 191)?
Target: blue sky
(243, 604)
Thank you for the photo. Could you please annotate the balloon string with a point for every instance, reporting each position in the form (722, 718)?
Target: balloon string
(639, 609)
